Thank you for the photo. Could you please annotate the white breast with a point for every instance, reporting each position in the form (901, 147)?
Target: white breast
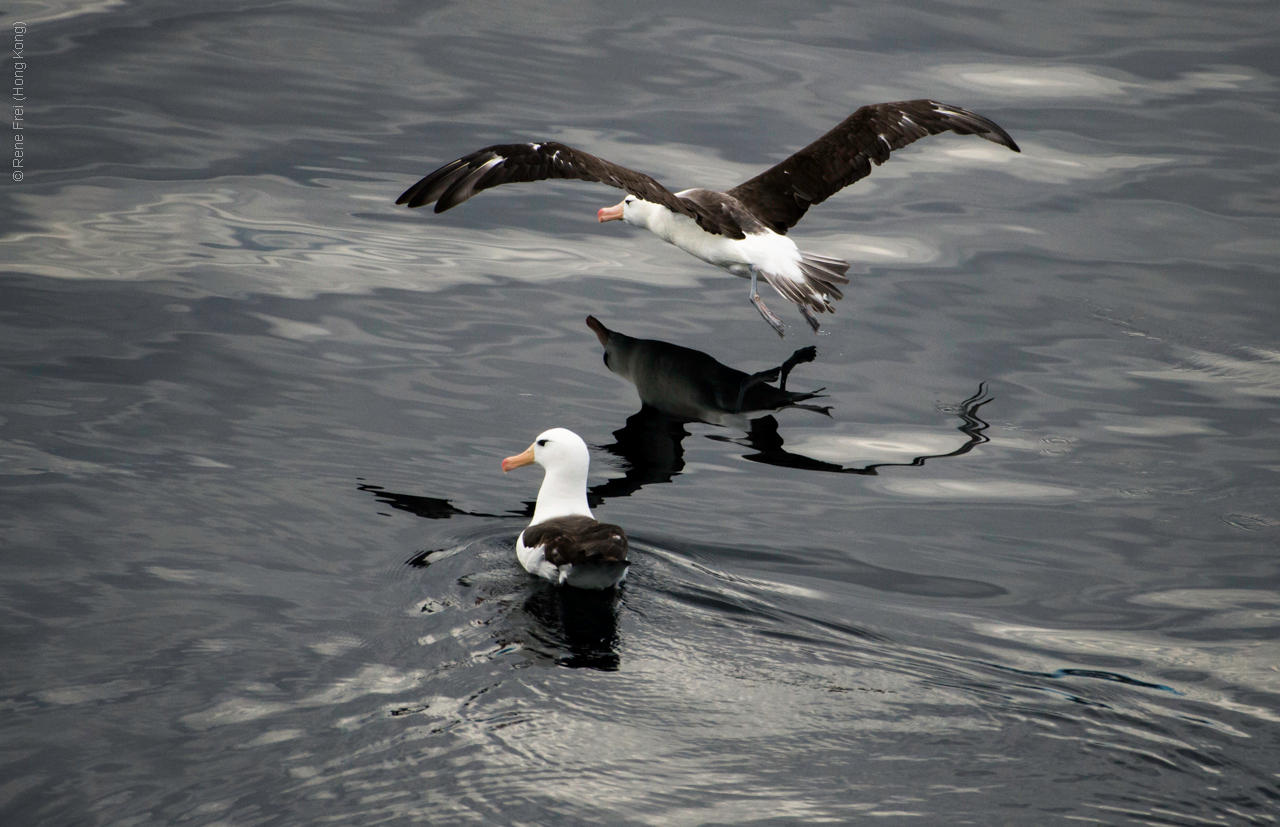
(768, 251)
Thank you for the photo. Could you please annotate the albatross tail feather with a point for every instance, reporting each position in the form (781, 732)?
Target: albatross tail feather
(837, 266)
(821, 275)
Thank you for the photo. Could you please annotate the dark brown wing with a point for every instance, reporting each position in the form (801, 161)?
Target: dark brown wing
(567, 540)
(779, 196)
(492, 166)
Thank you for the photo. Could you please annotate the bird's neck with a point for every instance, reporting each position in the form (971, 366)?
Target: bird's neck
(683, 232)
(563, 494)
(665, 224)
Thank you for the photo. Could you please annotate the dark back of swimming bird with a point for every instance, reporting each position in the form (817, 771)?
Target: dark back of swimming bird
(577, 540)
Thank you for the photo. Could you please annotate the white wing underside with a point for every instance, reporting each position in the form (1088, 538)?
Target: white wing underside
(534, 561)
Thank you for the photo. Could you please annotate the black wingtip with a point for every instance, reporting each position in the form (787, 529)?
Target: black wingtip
(976, 124)
(412, 196)
(1001, 137)
(997, 135)
(437, 184)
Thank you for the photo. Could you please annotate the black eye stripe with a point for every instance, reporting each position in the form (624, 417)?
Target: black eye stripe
(542, 442)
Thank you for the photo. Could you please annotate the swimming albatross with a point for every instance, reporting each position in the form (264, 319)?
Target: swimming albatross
(742, 230)
(564, 543)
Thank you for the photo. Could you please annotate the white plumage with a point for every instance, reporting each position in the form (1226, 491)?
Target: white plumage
(564, 543)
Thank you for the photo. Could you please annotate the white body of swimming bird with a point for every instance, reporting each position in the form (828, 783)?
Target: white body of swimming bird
(744, 229)
(565, 543)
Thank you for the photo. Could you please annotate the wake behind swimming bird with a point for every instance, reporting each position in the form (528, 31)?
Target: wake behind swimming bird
(565, 543)
(742, 230)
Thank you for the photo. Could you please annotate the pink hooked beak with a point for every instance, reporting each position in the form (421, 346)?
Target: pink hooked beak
(613, 213)
(519, 460)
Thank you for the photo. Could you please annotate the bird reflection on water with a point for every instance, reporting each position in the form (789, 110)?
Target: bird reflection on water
(764, 438)
(577, 628)
(547, 624)
(679, 385)
(688, 385)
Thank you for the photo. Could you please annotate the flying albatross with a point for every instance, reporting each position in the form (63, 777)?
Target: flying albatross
(564, 543)
(742, 230)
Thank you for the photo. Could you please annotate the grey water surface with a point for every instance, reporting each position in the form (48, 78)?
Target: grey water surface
(1019, 562)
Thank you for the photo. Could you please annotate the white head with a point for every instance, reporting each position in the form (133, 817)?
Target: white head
(635, 211)
(558, 448)
(565, 457)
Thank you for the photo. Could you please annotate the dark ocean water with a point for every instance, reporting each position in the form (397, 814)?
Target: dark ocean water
(258, 561)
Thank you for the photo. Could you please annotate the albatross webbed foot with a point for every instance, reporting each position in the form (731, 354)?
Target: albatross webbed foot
(770, 317)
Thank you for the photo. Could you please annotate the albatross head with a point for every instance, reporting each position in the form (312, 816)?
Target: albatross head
(630, 209)
(564, 488)
(558, 450)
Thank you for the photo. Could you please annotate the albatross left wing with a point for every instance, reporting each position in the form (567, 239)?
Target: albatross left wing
(779, 196)
(492, 166)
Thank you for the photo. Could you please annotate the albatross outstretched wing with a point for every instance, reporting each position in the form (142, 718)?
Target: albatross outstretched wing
(492, 166)
(779, 196)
